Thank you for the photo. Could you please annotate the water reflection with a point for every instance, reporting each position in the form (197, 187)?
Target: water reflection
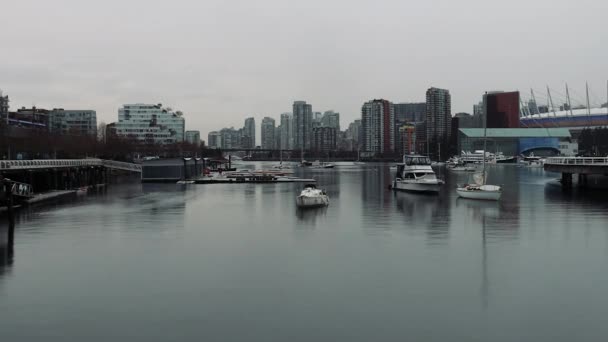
(309, 216)
(6, 249)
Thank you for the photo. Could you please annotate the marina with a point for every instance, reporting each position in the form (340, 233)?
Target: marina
(429, 257)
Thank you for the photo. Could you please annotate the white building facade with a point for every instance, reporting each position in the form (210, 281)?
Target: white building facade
(150, 124)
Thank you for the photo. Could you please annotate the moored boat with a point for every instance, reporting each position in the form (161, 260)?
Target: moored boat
(415, 174)
(311, 197)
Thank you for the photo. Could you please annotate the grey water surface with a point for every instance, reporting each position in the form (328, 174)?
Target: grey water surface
(238, 262)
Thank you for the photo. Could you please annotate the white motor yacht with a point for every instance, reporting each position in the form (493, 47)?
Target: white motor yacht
(415, 174)
(312, 197)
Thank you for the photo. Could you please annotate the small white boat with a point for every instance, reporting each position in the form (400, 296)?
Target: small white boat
(416, 174)
(312, 197)
(481, 192)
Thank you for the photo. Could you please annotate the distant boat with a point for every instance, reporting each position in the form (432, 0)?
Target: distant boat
(312, 197)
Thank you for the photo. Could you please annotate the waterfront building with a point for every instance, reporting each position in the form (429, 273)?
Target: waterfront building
(324, 139)
(438, 119)
(249, 133)
(378, 127)
(516, 141)
(193, 137)
(30, 118)
(150, 123)
(302, 125)
(267, 132)
(331, 119)
(286, 135)
(214, 139)
(73, 122)
(502, 109)
(410, 112)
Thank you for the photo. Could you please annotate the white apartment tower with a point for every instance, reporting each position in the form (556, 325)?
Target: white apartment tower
(150, 123)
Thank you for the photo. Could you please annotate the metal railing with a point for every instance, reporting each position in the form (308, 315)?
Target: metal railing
(47, 163)
(601, 161)
(122, 165)
(65, 163)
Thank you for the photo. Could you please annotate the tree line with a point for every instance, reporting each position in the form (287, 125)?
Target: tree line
(593, 142)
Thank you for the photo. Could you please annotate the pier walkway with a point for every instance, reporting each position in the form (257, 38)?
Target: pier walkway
(10, 165)
(582, 166)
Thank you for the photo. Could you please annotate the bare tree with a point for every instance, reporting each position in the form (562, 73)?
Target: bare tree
(101, 132)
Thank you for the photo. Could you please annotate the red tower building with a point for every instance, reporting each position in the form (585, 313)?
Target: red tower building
(502, 109)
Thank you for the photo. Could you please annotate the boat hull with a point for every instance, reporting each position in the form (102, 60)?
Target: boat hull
(486, 195)
(312, 202)
(509, 160)
(417, 187)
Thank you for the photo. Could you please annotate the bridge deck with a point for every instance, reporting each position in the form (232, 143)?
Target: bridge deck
(6, 165)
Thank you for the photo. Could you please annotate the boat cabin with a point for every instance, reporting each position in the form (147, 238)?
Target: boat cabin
(410, 160)
(414, 167)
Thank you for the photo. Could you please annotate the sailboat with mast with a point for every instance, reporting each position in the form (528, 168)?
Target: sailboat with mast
(480, 189)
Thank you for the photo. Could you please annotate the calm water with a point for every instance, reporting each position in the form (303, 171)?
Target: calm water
(240, 263)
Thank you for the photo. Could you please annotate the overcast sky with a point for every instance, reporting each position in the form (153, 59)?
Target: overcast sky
(221, 61)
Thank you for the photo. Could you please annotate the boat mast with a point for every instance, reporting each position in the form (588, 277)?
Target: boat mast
(569, 103)
(485, 128)
(588, 106)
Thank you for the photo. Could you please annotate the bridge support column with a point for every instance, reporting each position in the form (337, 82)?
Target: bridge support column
(582, 180)
(566, 181)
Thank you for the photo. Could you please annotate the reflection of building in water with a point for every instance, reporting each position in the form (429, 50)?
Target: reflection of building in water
(6, 251)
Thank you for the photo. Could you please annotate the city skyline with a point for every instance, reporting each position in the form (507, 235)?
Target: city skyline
(219, 62)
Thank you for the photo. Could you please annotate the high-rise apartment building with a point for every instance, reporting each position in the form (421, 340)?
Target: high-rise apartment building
(230, 138)
(150, 124)
(193, 137)
(438, 120)
(286, 135)
(302, 125)
(324, 139)
(267, 132)
(502, 109)
(214, 139)
(73, 122)
(410, 112)
(249, 132)
(331, 119)
(354, 132)
(378, 126)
